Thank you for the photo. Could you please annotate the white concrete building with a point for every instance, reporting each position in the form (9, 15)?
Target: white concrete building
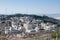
(31, 28)
(48, 26)
(8, 29)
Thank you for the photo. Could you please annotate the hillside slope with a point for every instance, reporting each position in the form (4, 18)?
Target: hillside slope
(44, 18)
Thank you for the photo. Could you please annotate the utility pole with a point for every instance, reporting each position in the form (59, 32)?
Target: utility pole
(57, 33)
(56, 36)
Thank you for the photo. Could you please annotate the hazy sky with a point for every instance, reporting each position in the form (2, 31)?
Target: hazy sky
(29, 6)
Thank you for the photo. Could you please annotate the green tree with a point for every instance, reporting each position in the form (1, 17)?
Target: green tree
(56, 34)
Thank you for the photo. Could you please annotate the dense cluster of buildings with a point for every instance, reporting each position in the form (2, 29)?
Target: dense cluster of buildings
(26, 24)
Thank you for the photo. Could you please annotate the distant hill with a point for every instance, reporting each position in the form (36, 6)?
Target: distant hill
(57, 17)
(53, 15)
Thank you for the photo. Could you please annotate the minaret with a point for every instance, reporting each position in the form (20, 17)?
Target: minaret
(5, 10)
